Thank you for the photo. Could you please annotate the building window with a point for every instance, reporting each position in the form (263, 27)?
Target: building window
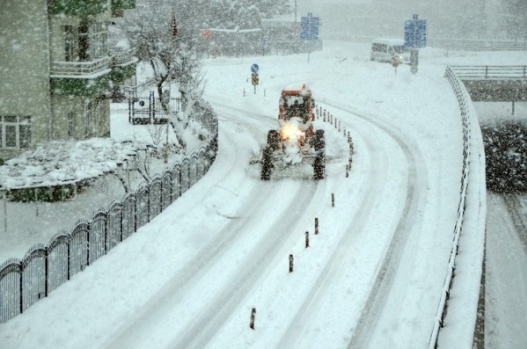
(15, 131)
(69, 43)
(93, 39)
(98, 39)
(84, 42)
(10, 136)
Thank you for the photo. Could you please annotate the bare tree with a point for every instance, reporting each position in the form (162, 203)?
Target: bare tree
(154, 32)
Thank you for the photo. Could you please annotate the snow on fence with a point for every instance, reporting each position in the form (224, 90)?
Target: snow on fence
(44, 268)
(468, 148)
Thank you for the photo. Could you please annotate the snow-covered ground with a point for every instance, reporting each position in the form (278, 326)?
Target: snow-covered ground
(22, 225)
(373, 275)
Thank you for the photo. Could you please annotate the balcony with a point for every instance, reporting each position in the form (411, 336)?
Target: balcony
(81, 78)
(81, 70)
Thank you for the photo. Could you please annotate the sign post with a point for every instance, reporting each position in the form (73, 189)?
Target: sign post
(395, 63)
(414, 39)
(309, 30)
(254, 77)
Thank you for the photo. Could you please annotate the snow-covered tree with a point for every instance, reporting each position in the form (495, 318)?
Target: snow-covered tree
(149, 30)
(244, 14)
(163, 34)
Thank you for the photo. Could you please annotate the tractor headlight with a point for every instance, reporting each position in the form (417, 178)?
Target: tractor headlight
(289, 131)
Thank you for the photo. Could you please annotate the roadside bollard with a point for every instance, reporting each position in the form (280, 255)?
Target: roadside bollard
(253, 317)
(332, 200)
(291, 263)
(307, 239)
(316, 226)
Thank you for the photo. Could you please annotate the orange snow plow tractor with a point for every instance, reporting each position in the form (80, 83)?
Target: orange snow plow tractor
(295, 141)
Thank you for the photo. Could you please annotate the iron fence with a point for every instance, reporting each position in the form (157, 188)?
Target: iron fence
(44, 268)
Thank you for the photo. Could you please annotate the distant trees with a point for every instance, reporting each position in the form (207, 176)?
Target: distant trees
(506, 156)
(243, 14)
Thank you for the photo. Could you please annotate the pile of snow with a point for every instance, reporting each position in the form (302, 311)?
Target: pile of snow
(62, 162)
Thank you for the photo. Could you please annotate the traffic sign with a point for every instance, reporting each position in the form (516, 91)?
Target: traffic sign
(255, 79)
(415, 33)
(254, 68)
(309, 27)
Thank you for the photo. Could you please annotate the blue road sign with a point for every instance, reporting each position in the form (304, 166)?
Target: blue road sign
(254, 68)
(309, 27)
(415, 33)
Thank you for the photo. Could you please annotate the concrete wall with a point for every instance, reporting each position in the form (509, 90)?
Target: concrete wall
(24, 63)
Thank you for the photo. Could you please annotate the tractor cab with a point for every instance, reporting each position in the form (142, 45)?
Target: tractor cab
(295, 141)
(296, 103)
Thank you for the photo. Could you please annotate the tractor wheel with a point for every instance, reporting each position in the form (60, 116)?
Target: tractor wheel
(320, 142)
(319, 165)
(267, 163)
(273, 139)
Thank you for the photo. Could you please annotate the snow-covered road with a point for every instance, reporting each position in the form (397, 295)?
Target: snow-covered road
(372, 277)
(506, 266)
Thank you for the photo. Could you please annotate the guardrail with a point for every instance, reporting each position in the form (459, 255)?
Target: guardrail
(490, 72)
(463, 100)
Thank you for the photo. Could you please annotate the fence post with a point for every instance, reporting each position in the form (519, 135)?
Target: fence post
(4, 196)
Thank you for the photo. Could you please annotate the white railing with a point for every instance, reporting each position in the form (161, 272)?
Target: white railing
(490, 72)
(80, 69)
(469, 156)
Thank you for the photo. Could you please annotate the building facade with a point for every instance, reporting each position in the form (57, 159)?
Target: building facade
(57, 70)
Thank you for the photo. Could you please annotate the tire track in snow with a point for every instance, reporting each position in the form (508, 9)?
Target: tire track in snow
(158, 309)
(208, 252)
(294, 335)
(226, 302)
(361, 332)
(385, 277)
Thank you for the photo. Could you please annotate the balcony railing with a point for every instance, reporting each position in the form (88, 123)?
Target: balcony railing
(89, 69)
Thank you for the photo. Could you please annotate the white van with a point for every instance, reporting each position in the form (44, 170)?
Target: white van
(383, 50)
